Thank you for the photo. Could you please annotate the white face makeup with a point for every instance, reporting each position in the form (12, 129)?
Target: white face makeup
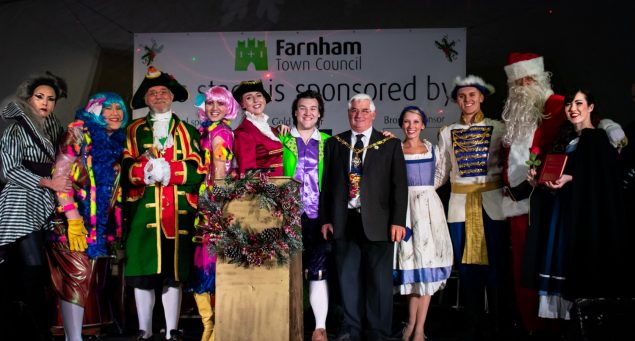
(43, 100)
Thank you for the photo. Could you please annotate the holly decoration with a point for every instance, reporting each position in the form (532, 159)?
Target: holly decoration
(151, 52)
(240, 244)
(447, 47)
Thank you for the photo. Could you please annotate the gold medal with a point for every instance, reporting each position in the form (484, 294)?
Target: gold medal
(357, 161)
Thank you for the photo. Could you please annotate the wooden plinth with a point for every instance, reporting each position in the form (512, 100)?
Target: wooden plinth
(258, 303)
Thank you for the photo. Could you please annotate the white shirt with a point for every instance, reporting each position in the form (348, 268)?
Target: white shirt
(365, 140)
(315, 136)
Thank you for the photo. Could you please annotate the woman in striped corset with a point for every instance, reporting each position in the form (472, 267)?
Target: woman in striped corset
(27, 150)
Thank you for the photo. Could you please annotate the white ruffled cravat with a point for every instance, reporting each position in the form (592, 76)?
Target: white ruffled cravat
(261, 124)
(161, 130)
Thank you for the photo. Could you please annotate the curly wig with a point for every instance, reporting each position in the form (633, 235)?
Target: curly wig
(25, 90)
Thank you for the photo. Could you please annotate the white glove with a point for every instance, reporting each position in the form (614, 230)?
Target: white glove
(148, 177)
(157, 171)
(614, 131)
(162, 168)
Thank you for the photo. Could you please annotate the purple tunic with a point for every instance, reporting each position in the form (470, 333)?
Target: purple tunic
(306, 171)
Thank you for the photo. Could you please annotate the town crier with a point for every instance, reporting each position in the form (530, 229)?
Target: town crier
(163, 169)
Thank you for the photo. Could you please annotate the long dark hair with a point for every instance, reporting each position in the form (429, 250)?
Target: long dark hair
(570, 95)
(568, 133)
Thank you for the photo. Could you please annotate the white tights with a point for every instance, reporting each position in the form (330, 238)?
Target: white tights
(144, 300)
(319, 298)
(72, 319)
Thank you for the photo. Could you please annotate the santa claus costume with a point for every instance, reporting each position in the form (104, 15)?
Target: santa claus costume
(533, 120)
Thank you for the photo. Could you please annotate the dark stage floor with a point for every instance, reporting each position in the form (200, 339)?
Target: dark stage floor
(446, 322)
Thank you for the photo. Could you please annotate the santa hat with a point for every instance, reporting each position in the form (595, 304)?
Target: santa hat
(154, 77)
(472, 81)
(521, 65)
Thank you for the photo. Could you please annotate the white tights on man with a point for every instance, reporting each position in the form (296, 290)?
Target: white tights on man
(319, 298)
(171, 299)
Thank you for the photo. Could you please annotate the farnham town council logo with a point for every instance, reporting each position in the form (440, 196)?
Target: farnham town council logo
(252, 52)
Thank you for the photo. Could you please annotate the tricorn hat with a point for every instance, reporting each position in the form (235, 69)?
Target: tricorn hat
(154, 77)
(249, 86)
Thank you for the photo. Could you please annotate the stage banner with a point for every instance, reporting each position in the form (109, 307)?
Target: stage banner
(396, 67)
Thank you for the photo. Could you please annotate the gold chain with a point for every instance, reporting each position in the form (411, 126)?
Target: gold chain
(357, 151)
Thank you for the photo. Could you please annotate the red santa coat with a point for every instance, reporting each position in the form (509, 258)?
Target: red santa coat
(515, 172)
(515, 167)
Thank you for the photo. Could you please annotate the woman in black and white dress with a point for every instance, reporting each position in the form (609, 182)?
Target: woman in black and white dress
(27, 151)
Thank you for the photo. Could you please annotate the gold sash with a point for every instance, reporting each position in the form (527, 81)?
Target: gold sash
(475, 251)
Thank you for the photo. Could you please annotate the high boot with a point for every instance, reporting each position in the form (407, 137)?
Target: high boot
(205, 309)
(37, 308)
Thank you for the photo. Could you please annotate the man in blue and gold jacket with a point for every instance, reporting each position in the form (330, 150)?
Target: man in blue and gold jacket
(162, 169)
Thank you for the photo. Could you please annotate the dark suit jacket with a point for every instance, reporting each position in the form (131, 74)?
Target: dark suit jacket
(384, 187)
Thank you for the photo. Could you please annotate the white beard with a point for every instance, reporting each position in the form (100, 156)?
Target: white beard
(523, 111)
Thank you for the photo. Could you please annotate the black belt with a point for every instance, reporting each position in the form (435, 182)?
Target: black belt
(42, 169)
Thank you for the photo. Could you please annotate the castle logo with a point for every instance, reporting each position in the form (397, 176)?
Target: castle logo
(253, 52)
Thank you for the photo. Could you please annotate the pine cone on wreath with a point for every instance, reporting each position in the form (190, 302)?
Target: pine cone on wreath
(271, 235)
(232, 252)
(271, 191)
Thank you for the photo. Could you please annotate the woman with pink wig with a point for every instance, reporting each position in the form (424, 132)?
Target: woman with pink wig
(216, 107)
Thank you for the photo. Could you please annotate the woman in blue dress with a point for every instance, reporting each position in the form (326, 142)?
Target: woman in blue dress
(423, 261)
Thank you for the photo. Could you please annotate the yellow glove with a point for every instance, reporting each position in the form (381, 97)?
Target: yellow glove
(77, 235)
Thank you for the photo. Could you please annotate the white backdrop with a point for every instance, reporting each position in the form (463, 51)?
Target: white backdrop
(397, 67)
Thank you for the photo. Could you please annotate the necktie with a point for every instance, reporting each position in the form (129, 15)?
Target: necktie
(355, 174)
(357, 158)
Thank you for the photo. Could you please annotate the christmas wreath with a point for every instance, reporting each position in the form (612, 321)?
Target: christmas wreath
(240, 244)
